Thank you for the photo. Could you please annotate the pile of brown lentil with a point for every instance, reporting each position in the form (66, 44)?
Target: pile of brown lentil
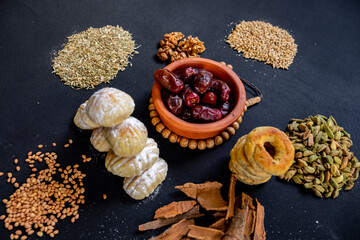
(94, 56)
(38, 204)
(264, 42)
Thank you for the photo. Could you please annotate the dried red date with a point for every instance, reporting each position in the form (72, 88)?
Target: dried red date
(202, 81)
(187, 74)
(221, 88)
(174, 103)
(186, 114)
(225, 108)
(190, 98)
(184, 91)
(209, 98)
(168, 80)
(205, 114)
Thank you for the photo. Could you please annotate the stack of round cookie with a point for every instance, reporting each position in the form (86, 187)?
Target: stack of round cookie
(264, 152)
(131, 154)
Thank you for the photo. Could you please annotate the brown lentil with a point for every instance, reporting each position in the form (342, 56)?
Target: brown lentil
(104, 196)
(16, 161)
(66, 145)
(40, 146)
(17, 168)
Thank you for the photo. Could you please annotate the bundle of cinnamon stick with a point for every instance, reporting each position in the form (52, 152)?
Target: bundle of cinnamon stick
(236, 220)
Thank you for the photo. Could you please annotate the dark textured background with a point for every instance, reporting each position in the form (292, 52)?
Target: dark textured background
(37, 108)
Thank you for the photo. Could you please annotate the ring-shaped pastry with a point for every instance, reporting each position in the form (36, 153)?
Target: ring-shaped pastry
(240, 160)
(271, 149)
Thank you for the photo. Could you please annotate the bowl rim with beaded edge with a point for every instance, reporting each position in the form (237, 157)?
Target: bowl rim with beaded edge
(202, 130)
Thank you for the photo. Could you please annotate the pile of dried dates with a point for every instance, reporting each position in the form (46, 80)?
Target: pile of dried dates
(194, 94)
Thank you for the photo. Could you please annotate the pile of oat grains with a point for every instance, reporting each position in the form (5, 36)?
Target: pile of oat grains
(262, 41)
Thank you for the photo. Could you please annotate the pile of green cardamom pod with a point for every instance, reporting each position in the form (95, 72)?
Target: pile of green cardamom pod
(323, 162)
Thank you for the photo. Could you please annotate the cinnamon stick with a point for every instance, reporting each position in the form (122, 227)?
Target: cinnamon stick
(236, 227)
(219, 225)
(231, 195)
(176, 231)
(242, 200)
(173, 209)
(250, 222)
(211, 200)
(205, 233)
(192, 189)
(207, 194)
(193, 213)
(218, 215)
(259, 232)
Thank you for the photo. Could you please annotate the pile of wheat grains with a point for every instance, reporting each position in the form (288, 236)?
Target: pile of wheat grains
(46, 196)
(94, 56)
(264, 42)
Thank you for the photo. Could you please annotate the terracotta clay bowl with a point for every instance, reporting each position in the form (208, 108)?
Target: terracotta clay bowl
(202, 130)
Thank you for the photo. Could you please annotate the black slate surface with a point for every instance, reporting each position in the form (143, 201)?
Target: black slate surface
(37, 108)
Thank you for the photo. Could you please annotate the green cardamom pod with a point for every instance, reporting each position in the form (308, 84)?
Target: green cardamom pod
(309, 169)
(317, 192)
(301, 163)
(321, 147)
(289, 174)
(339, 179)
(336, 193)
(297, 180)
(349, 185)
(329, 159)
(317, 181)
(328, 194)
(322, 176)
(334, 153)
(337, 160)
(321, 167)
(313, 158)
(332, 119)
(345, 133)
(337, 136)
(333, 183)
(319, 188)
(308, 153)
(333, 169)
(328, 131)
